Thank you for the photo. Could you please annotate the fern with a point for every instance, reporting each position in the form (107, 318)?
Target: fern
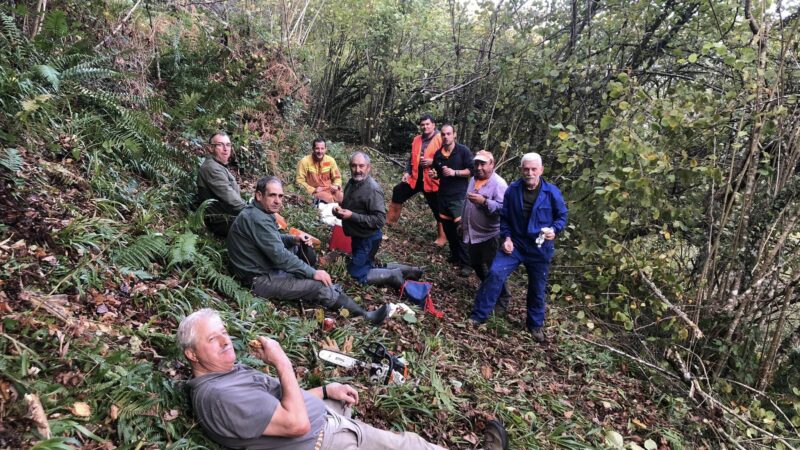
(183, 249)
(48, 73)
(10, 160)
(142, 253)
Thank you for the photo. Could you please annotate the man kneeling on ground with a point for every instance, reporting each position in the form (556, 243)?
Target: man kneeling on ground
(240, 407)
(260, 257)
(363, 214)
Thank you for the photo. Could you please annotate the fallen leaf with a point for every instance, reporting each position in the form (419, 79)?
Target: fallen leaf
(171, 415)
(113, 412)
(36, 413)
(81, 409)
(471, 438)
(50, 260)
(639, 423)
(486, 371)
(568, 414)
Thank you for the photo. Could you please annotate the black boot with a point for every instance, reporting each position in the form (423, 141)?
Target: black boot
(375, 317)
(409, 272)
(495, 436)
(385, 277)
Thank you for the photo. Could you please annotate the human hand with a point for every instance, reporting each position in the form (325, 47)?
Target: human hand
(549, 233)
(448, 172)
(426, 162)
(508, 246)
(406, 177)
(319, 189)
(344, 214)
(323, 277)
(271, 353)
(432, 173)
(476, 198)
(460, 230)
(342, 392)
(304, 239)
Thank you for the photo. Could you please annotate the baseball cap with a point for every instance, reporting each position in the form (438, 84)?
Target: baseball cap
(484, 156)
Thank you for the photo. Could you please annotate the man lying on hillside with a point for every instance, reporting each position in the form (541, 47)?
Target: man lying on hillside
(363, 213)
(215, 181)
(264, 259)
(240, 407)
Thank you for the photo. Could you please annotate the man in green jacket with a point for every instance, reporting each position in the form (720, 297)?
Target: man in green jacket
(262, 258)
(215, 181)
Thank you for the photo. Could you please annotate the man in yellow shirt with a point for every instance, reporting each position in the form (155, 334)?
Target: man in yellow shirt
(319, 175)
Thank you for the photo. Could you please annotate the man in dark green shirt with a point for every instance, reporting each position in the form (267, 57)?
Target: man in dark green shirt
(261, 257)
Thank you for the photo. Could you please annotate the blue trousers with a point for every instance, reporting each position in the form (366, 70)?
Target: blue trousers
(363, 257)
(502, 267)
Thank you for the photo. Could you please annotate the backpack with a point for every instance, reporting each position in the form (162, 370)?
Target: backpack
(419, 292)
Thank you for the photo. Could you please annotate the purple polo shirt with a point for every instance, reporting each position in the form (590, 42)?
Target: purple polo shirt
(482, 222)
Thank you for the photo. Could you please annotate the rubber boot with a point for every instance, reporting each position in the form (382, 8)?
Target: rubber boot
(495, 436)
(394, 213)
(409, 272)
(385, 277)
(375, 317)
(441, 239)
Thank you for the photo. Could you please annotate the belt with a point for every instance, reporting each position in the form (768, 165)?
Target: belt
(321, 434)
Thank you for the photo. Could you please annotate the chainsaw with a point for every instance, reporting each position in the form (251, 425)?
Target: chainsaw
(384, 368)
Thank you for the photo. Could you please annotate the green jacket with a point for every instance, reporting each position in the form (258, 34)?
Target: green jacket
(255, 247)
(215, 181)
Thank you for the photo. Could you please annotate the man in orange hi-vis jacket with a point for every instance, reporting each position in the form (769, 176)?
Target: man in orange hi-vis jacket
(319, 175)
(416, 177)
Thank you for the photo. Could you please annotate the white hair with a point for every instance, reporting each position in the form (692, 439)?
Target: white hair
(535, 157)
(186, 334)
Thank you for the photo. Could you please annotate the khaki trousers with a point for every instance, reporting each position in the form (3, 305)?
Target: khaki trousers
(344, 433)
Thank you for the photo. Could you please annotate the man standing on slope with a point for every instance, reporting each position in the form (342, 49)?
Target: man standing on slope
(363, 213)
(533, 214)
(480, 221)
(416, 177)
(215, 181)
(452, 165)
(319, 175)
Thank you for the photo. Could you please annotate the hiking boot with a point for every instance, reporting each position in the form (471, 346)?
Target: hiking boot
(472, 323)
(495, 436)
(538, 335)
(375, 317)
(465, 271)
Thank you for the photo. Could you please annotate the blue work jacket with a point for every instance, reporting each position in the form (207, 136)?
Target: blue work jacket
(548, 211)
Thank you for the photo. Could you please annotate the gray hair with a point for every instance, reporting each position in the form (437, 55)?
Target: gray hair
(186, 334)
(362, 154)
(218, 133)
(535, 157)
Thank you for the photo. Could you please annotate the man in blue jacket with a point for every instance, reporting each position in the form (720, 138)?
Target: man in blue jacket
(533, 214)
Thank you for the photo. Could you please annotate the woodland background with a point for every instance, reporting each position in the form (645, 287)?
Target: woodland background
(672, 127)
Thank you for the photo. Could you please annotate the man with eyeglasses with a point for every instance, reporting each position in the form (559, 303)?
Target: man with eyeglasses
(215, 181)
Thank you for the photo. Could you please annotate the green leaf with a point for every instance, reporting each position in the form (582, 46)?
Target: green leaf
(692, 58)
(614, 440)
(410, 318)
(650, 444)
(48, 73)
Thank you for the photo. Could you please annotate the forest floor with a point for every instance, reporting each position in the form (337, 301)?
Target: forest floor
(567, 393)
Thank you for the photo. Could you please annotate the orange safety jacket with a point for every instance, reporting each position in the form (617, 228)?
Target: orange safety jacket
(429, 184)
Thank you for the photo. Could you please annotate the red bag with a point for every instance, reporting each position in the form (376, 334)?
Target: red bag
(340, 241)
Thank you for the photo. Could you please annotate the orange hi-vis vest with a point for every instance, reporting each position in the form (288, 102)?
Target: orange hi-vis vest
(429, 184)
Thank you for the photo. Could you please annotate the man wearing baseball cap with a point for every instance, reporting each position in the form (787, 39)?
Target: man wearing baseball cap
(480, 220)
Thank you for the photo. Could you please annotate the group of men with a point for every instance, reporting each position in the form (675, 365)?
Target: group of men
(490, 227)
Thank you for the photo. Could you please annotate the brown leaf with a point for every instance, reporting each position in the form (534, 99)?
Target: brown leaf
(486, 371)
(36, 413)
(568, 414)
(81, 409)
(113, 412)
(171, 415)
(347, 346)
(471, 438)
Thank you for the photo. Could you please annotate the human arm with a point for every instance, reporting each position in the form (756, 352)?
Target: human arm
(272, 245)
(374, 216)
(302, 173)
(337, 391)
(290, 418)
(336, 175)
(559, 207)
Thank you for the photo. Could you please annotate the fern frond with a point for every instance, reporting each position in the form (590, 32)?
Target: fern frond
(22, 48)
(142, 252)
(10, 160)
(48, 73)
(183, 249)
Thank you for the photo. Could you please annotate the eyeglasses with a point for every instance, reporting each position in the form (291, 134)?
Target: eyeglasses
(222, 144)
